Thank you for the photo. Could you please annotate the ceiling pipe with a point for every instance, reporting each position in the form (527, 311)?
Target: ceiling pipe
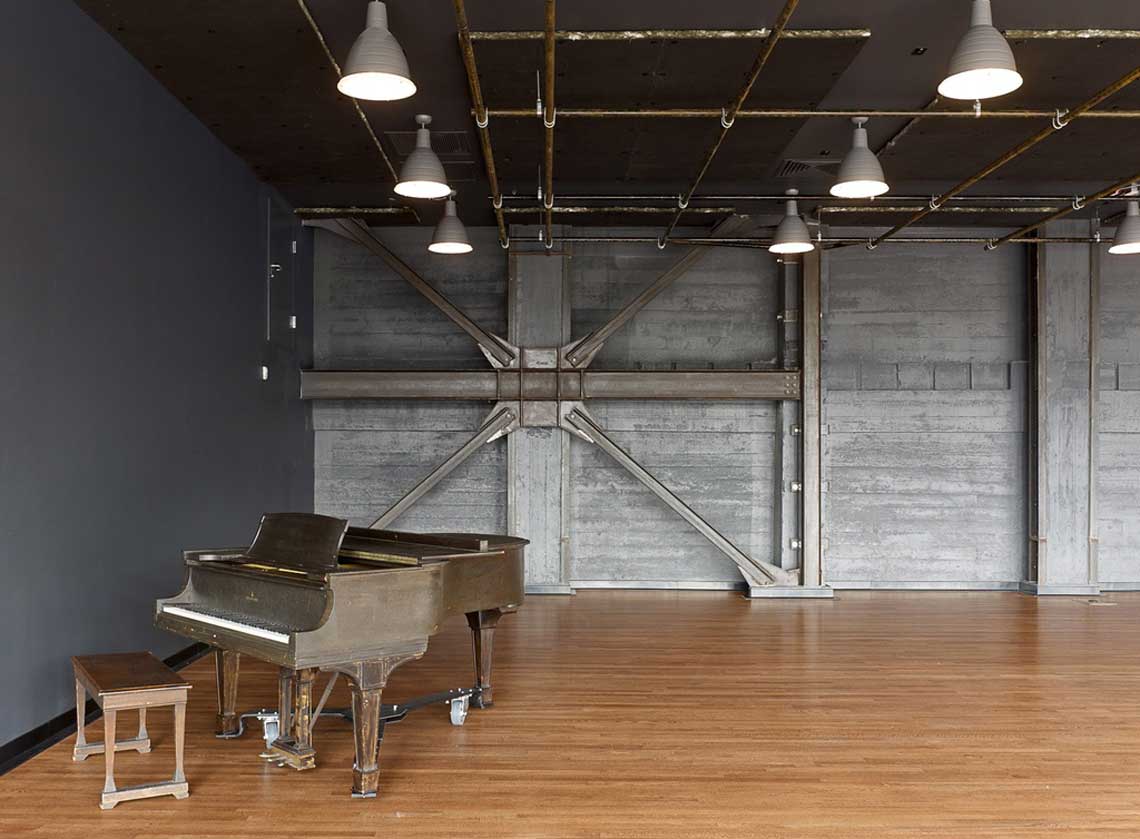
(781, 197)
(479, 110)
(671, 34)
(826, 240)
(1060, 120)
(794, 34)
(303, 6)
(612, 210)
(798, 113)
(728, 117)
(549, 117)
(1077, 204)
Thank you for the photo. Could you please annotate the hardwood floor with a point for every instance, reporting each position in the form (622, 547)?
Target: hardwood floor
(688, 714)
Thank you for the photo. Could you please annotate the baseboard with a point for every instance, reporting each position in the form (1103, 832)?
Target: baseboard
(1047, 589)
(924, 585)
(31, 743)
(1120, 586)
(548, 589)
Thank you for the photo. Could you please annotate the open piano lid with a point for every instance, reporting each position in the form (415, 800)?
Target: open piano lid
(300, 541)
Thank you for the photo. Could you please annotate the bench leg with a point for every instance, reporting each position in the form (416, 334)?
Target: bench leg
(80, 752)
(109, 719)
(180, 747)
(143, 737)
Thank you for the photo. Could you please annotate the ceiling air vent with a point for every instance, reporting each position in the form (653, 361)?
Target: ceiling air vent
(791, 167)
(453, 148)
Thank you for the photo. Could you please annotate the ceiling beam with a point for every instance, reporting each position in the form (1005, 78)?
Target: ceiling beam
(1062, 119)
(479, 110)
(799, 113)
(671, 34)
(728, 116)
(1078, 203)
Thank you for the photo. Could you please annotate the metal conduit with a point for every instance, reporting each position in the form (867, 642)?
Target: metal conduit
(1076, 205)
(479, 109)
(670, 34)
(728, 117)
(921, 199)
(798, 113)
(549, 116)
(825, 240)
(1059, 122)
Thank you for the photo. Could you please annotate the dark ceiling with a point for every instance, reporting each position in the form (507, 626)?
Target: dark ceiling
(257, 76)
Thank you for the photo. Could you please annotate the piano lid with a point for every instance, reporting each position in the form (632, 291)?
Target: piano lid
(302, 541)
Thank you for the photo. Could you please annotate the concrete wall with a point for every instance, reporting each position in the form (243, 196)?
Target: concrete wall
(1118, 485)
(367, 455)
(131, 334)
(924, 375)
(718, 457)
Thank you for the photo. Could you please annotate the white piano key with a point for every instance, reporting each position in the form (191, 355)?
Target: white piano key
(224, 623)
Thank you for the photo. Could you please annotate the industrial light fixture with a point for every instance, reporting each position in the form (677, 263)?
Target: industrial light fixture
(982, 66)
(1127, 238)
(792, 235)
(860, 175)
(450, 234)
(376, 67)
(422, 175)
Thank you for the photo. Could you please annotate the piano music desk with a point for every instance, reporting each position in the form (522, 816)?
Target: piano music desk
(123, 682)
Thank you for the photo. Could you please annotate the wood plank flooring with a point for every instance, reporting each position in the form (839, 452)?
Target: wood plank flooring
(685, 714)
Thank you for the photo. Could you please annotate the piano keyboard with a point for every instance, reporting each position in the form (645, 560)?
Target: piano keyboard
(232, 621)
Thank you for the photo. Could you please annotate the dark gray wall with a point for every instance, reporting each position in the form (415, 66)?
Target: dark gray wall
(133, 257)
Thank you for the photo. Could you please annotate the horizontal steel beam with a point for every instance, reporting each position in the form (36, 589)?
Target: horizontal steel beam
(548, 385)
(671, 35)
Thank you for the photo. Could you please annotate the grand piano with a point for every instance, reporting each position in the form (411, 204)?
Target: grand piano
(313, 594)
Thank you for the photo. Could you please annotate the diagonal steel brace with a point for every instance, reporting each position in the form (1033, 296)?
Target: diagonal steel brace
(499, 352)
(756, 572)
(501, 421)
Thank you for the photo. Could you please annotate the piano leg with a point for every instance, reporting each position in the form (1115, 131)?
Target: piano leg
(368, 679)
(367, 734)
(482, 625)
(226, 665)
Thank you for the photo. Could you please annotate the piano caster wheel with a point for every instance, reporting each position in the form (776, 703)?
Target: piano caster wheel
(269, 730)
(459, 709)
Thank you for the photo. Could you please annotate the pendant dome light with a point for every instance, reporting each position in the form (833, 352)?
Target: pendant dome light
(982, 66)
(450, 234)
(422, 175)
(860, 175)
(792, 235)
(1127, 238)
(376, 68)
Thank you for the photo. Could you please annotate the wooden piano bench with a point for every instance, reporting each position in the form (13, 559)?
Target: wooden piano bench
(125, 682)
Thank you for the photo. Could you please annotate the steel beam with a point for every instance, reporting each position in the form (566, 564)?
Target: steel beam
(1060, 120)
(578, 422)
(802, 113)
(550, 384)
(728, 117)
(499, 352)
(672, 34)
(581, 353)
(502, 420)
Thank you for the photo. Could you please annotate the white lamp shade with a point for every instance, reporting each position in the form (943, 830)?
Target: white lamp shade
(792, 235)
(860, 175)
(982, 66)
(450, 234)
(422, 174)
(376, 67)
(1127, 238)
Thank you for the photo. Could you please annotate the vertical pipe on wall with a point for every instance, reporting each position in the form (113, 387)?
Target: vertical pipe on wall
(811, 426)
(1094, 403)
(549, 116)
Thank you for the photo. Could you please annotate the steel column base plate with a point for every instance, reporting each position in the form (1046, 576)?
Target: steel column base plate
(809, 592)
